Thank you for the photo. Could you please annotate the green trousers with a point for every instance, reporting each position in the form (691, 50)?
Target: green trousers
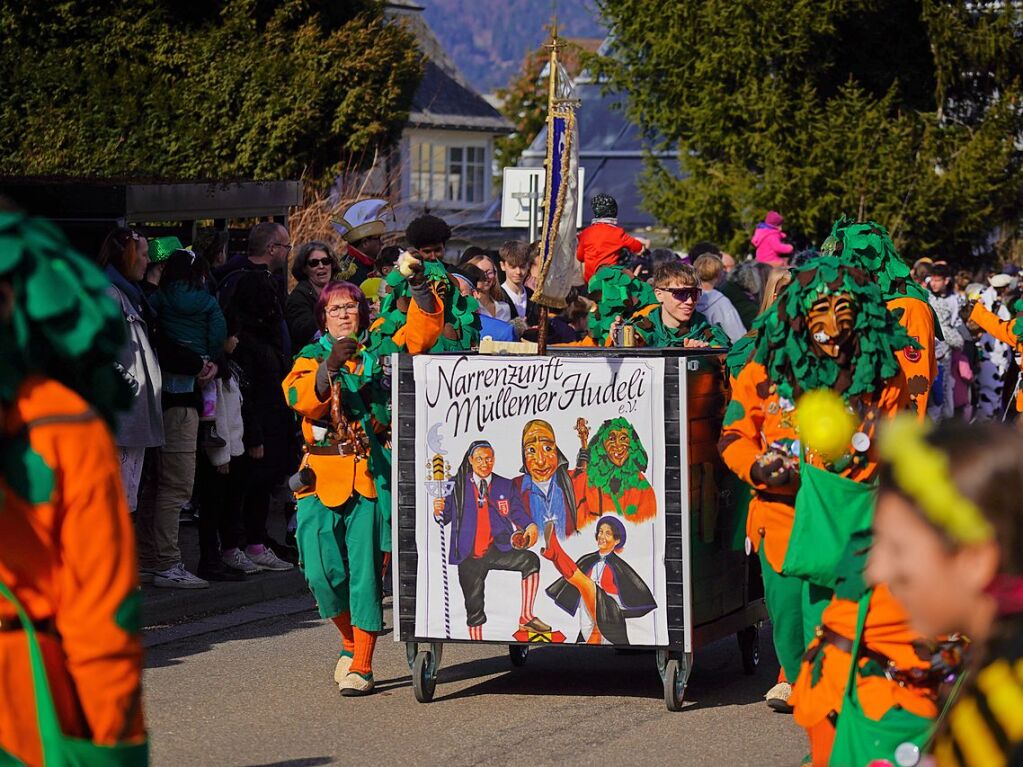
(784, 597)
(340, 556)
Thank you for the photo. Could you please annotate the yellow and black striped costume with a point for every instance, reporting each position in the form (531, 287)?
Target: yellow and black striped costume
(984, 727)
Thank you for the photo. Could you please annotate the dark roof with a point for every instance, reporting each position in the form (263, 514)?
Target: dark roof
(442, 102)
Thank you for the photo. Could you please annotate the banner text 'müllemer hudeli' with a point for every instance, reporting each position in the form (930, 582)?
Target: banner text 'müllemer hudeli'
(481, 396)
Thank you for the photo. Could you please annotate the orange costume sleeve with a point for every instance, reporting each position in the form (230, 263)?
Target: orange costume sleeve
(75, 563)
(1001, 330)
(421, 329)
(754, 419)
(920, 366)
(995, 326)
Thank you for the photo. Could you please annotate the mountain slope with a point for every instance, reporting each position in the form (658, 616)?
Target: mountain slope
(488, 39)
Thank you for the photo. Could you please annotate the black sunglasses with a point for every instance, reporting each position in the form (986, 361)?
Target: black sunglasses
(684, 294)
(318, 262)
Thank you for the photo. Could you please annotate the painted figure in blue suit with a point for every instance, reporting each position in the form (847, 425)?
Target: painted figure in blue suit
(546, 486)
(490, 530)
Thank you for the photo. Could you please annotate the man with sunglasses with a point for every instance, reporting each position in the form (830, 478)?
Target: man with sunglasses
(674, 321)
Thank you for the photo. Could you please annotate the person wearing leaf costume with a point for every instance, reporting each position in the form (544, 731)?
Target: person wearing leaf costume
(828, 329)
(662, 315)
(427, 237)
(344, 502)
(868, 246)
(609, 478)
(69, 598)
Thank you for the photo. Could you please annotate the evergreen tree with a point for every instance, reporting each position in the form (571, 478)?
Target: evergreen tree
(185, 89)
(906, 111)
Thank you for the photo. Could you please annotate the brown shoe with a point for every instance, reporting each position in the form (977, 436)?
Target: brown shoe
(536, 625)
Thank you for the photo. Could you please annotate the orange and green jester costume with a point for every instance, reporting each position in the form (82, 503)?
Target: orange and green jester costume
(70, 649)
(771, 372)
(344, 511)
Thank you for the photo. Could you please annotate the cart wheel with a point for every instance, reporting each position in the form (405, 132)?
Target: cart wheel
(749, 647)
(675, 678)
(518, 653)
(424, 676)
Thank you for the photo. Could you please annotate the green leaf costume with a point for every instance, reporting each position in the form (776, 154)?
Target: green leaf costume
(63, 326)
(783, 345)
(459, 314)
(868, 246)
(619, 294)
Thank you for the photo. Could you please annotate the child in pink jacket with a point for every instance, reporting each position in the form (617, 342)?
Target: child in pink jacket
(768, 239)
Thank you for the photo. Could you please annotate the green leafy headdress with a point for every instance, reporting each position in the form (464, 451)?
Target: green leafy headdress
(868, 246)
(617, 294)
(63, 324)
(602, 473)
(459, 313)
(784, 347)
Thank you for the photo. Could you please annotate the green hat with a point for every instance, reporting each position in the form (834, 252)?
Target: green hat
(160, 248)
(63, 324)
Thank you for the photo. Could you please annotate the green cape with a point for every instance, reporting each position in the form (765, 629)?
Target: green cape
(63, 324)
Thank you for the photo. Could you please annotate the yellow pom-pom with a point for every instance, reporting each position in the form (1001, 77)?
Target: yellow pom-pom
(825, 424)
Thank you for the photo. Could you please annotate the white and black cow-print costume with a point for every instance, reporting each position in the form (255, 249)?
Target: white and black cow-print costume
(994, 360)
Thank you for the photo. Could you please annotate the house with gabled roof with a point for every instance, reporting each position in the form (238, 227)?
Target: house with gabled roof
(443, 162)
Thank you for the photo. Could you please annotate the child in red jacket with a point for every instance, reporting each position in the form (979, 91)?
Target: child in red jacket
(602, 241)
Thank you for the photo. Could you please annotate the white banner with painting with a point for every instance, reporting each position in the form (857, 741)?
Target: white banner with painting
(540, 499)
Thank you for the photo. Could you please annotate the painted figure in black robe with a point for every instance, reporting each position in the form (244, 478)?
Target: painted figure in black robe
(602, 583)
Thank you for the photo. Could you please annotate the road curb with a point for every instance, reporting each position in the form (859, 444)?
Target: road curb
(167, 606)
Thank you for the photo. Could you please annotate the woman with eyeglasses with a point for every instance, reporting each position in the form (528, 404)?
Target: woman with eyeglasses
(314, 266)
(343, 484)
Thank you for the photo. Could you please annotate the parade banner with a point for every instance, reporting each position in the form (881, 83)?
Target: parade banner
(559, 268)
(540, 499)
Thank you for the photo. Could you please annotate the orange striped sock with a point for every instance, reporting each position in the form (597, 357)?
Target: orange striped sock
(365, 643)
(344, 625)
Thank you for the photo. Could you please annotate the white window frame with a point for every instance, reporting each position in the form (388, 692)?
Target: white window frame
(448, 142)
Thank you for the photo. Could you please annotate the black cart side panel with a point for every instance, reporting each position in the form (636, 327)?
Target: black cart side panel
(404, 544)
(674, 562)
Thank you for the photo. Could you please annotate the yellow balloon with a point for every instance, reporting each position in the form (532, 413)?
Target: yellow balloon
(825, 424)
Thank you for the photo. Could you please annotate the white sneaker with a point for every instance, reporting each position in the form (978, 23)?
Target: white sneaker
(237, 560)
(269, 561)
(354, 685)
(344, 664)
(178, 578)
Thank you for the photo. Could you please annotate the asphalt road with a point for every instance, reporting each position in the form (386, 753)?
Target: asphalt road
(255, 687)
